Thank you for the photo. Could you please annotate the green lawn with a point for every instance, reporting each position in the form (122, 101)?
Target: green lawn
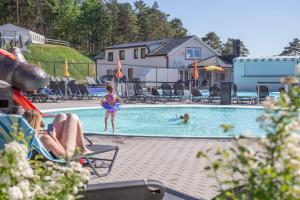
(47, 54)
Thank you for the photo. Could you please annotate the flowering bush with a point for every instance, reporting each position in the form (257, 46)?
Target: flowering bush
(272, 170)
(24, 179)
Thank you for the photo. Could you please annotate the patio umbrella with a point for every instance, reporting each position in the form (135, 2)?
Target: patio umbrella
(119, 73)
(195, 74)
(66, 71)
(213, 68)
(66, 74)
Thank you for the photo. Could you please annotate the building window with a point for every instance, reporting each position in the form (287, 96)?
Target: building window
(110, 56)
(122, 54)
(136, 53)
(192, 53)
(143, 53)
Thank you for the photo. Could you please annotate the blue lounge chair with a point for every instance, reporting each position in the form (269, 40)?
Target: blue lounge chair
(14, 126)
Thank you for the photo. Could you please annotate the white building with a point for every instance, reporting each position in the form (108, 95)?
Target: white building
(249, 71)
(165, 60)
(10, 31)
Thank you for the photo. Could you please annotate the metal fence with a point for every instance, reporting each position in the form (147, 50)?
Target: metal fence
(56, 68)
(58, 42)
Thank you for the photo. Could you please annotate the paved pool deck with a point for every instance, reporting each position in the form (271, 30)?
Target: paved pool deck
(170, 160)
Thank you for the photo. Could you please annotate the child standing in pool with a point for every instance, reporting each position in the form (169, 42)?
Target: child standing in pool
(111, 103)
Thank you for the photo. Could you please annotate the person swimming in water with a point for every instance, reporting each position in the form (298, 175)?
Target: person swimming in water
(110, 99)
(185, 118)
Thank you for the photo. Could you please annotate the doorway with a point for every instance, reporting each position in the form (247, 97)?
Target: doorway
(130, 74)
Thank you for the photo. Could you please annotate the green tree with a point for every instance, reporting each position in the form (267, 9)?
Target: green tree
(124, 22)
(228, 48)
(177, 27)
(213, 40)
(292, 49)
(95, 26)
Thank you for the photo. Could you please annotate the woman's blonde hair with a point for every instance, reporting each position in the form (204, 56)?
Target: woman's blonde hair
(34, 119)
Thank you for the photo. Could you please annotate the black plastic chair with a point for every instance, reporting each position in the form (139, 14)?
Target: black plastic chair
(262, 92)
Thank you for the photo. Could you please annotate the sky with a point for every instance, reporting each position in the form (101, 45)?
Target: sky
(265, 26)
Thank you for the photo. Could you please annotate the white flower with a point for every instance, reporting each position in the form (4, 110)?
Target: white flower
(24, 187)
(77, 167)
(14, 193)
(47, 178)
(4, 179)
(75, 189)
(69, 197)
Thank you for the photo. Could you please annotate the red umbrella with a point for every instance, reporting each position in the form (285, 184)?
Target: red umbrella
(119, 73)
(195, 74)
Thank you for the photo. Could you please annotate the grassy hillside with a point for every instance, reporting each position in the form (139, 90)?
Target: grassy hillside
(47, 54)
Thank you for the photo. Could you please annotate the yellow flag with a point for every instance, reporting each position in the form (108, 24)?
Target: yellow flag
(66, 72)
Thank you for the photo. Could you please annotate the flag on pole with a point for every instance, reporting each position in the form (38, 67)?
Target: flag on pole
(119, 73)
(66, 72)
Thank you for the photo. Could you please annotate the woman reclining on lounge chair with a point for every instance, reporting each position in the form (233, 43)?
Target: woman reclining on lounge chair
(66, 134)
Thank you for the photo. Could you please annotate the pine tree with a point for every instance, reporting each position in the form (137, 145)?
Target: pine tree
(213, 40)
(228, 48)
(292, 49)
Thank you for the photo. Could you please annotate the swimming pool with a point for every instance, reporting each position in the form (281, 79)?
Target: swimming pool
(161, 121)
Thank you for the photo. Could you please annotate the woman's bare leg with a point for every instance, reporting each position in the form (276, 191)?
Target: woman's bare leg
(58, 124)
(69, 134)
(80, 139)
(112, 115)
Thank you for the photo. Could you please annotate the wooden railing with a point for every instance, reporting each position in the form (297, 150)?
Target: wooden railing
(58, 42)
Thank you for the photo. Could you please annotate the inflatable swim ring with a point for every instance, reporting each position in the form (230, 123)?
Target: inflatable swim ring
(111, 108)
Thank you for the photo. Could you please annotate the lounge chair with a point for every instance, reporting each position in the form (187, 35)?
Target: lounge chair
(138, 189)
(35, 145)
(214, 93)
(92, 83)
(156, 95)
(166, 91)
(130, 93)
(84, 91)
(262, 92)
(197, 96)
(75, 90)
(178, 91)
(45, 95)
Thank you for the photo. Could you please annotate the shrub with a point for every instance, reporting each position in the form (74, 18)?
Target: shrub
(272, 170)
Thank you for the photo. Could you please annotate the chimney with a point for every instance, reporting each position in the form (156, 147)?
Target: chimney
(236, 47)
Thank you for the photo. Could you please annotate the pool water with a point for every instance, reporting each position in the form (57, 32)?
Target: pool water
(162, 121)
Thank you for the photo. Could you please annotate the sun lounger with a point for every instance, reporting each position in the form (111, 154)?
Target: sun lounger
(35, 145)
(84, 91)
(166, 91)
(262, 92)
(138, 189)
(75, 90)
(197, 96)
(178, 91)
(130, 93)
